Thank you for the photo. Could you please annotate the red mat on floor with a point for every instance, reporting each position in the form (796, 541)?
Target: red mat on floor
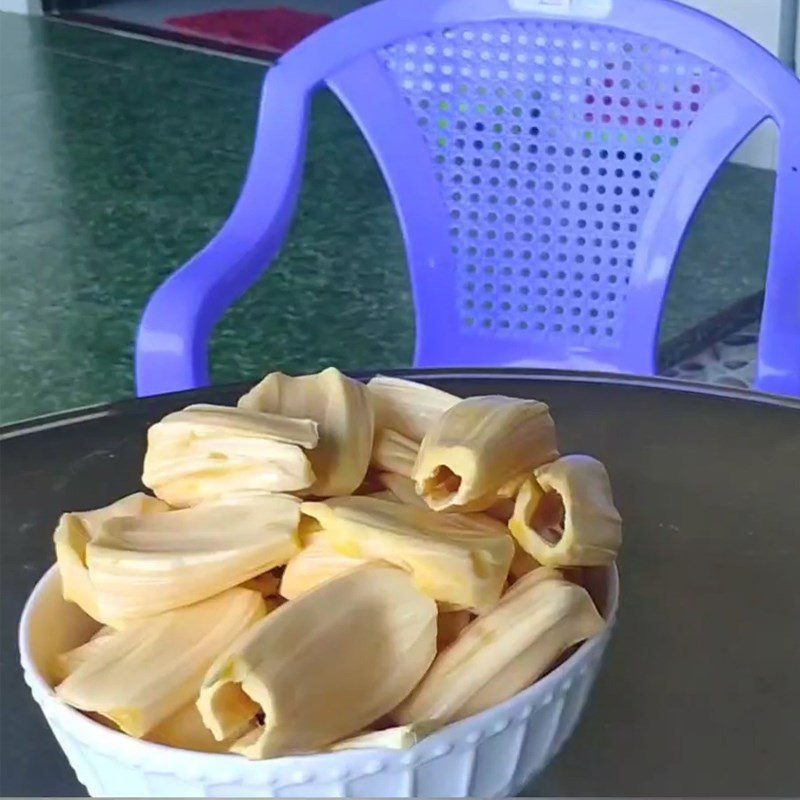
(272, 30)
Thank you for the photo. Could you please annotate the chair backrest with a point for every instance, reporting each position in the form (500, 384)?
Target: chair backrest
(545, 158)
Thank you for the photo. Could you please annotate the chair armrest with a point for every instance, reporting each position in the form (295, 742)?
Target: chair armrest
(176, 327)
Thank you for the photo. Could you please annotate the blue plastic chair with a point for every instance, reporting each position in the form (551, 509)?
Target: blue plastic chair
(544, 157)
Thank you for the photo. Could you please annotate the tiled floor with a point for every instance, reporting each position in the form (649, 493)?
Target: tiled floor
(120, 158)
(729, 362)
(147, 12)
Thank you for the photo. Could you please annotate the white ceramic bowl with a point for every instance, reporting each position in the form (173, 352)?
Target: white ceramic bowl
(491, 754)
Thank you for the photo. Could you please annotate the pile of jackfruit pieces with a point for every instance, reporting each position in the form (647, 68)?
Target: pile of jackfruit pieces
(333, 565)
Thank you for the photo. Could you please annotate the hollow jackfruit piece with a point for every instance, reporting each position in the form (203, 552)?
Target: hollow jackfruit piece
(74, 532)
(565, 515)
(451, 559)
(204, 452)
(393, 452)
(365, 637)
(343, 410)
(505, 650)
(402, 490)
(140, 566)
(140, 676)
(482, 449)
(185, 730)
(406, 407)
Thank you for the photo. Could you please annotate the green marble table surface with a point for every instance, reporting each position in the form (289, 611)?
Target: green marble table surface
(119, 158)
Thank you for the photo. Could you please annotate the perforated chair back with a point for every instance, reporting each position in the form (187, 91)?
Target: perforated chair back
(545, 158)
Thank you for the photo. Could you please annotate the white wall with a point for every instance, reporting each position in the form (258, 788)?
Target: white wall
(763, 20)
(21, 6)
(797, 45)
(773, 24)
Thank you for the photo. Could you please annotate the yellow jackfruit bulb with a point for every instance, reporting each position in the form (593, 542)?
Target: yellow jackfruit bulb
(505, 650)
(343, 410)
(140, 566)
(74, 532)
(184, 729)
(406, 407)
(393, 452)
(402, 490)
(363, 640)
(66, 663)
(314, 564)
(309, 530)
(450, 559)
(142, 675)
(207, 451)
(565, 515)
(481, 449)
(399, 738)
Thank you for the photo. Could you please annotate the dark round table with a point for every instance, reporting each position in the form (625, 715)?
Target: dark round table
(700, 692)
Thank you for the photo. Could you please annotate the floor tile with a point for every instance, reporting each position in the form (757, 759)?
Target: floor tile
(148, 13)
(729, 362)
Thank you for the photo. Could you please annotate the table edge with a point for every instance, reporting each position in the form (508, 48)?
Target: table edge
(87, 413)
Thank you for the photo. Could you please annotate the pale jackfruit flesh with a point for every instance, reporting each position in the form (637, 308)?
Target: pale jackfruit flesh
(140, 676)
(505, 650)
(327, 567)
(207, 451)
(393, 452)
(66, 663)
(140, 566)
(450, 560)
(398, 738)
(565, 515)
(402, 488)
(385, 494)
(342, 408)
(185, 730)
(363, 640)
(406, 407)
(481, 449)
(74, 532)
(316, 563)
